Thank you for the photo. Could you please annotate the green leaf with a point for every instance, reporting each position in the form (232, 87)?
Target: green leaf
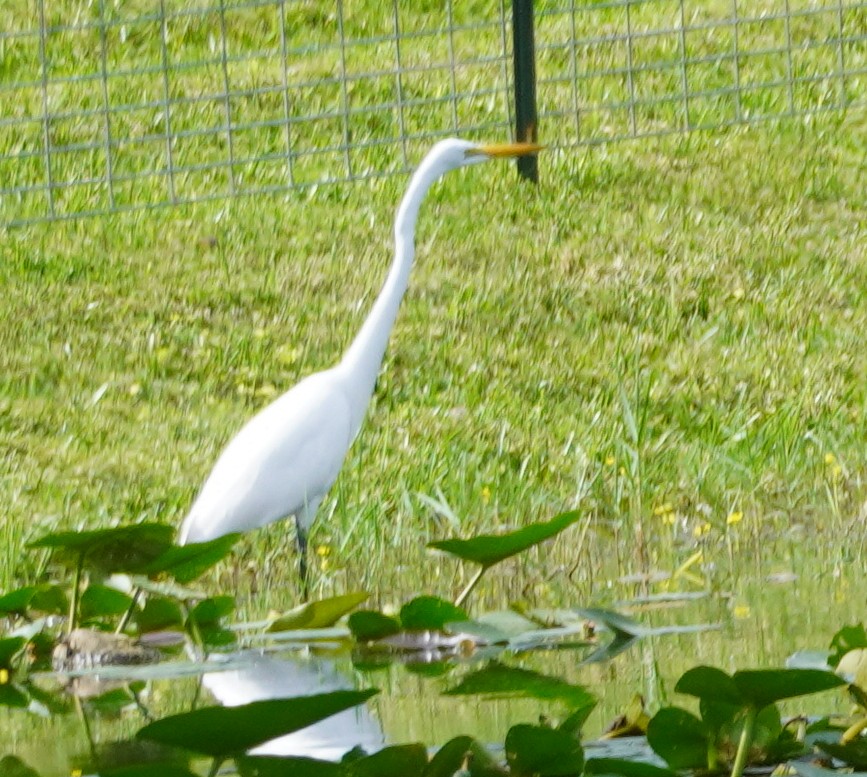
(148, 770)
(158, 614)
(679, 738)
(208, 612)
(369, 625)
(452, 756)
(12, 766)
(9, 648)
(852, 754)
(846, 639)
(621, 625)
(12, 696)
(395, 761)
(50, 599)
(287, 766)
(112, 702)
(221, 732)
(121, 549)
(17, 601)
(620, 767)
(761, 687)
(99, 601)
(497, 679)
(708, 682)
(320, 614)
(770, 743)
(574, 724)
(718, 715)
(490, 549)
(539, 751)
(187, 562)
(429, 613)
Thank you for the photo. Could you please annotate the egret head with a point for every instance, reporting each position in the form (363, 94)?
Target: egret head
(454, 152)
(447, 155)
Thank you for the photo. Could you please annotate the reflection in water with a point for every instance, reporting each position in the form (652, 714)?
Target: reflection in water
(277, 678)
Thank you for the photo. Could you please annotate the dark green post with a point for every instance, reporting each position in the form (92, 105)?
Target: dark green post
(524, 54)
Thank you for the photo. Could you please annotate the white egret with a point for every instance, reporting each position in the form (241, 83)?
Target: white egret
(286, 458)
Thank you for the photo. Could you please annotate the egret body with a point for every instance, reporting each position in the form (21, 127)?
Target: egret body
(287, 456)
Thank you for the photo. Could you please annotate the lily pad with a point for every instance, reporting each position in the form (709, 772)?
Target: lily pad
(208, 612)
(50, 600)
(539, 751)
(16, 602)
(221, 732)
(496, 679)
(148, 770)
(100, 601)
(757, 688)
(852, 754)
(490, 549)
(122, 549)
(12, 766)
(762, 687)
(320, 614)
(185, 563)
(431, 613)
(708, 682)
(369, 625)
(395, 761)
(287, 766)
(158, 614)
(453, 755)
(679, 738)
(12, 696)
(9, 648)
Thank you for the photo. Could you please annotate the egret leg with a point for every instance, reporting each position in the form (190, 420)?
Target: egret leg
(301, 542)
(303, 519)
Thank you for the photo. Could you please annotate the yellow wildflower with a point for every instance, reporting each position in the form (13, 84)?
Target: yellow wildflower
(701, 529)
(734, 517)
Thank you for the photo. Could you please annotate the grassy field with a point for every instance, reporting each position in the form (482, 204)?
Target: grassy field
(667, 334)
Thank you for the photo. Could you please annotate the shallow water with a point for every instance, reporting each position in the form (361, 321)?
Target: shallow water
(758, 623)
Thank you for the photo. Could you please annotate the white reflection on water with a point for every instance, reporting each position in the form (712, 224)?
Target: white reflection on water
(277, 678)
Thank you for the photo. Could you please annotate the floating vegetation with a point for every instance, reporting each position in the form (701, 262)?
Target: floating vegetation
(104, 638)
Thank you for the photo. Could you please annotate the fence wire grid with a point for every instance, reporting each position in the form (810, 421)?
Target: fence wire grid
(110, 105)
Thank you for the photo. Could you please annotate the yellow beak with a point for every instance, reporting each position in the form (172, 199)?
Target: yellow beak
(509, 149)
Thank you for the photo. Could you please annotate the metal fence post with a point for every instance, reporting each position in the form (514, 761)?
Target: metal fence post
(524, 54)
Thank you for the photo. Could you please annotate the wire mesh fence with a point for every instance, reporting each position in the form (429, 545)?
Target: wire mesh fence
(109, 105)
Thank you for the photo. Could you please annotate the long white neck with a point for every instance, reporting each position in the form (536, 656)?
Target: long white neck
(362, 361)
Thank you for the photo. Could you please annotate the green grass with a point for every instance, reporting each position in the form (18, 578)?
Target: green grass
(666, 333)
(676, 323)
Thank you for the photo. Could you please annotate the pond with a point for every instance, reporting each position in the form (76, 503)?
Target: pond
(68, 724)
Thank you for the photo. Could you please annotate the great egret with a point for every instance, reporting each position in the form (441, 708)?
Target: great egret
(285, 459)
